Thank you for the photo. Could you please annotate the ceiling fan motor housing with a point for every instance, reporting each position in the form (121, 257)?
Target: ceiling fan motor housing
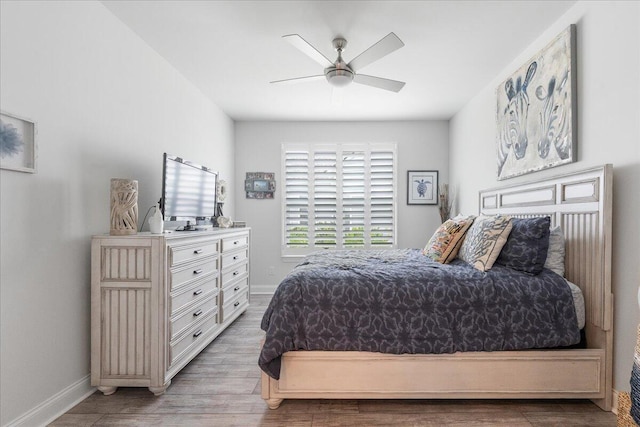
(339, 74)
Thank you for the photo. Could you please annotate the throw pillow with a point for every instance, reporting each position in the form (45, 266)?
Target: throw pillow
(527, 245)
(445, 242)
(555, 254)
(484, 240)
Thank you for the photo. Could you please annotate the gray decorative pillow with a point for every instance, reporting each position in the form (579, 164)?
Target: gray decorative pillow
(555, 254)
(484, 241)
(526, 247)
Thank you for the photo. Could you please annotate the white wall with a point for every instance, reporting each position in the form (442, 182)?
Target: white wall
(422, 145)
(608, 54)
(106, 106)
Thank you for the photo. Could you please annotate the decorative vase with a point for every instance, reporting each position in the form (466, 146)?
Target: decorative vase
(124, 207)
(156, 221)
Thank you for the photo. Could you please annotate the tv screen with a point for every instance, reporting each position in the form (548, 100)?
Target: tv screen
(188, 190)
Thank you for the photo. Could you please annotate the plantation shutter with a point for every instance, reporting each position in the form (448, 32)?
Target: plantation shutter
(296, 193)
(382, 233)
(325, 200)
(338, 197)
(353, 199)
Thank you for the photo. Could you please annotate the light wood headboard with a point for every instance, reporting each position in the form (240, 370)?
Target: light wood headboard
(581, 203)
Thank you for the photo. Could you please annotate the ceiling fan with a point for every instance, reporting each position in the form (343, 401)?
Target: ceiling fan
(339, 73)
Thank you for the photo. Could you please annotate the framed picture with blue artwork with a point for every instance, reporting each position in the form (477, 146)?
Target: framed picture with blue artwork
(17, 143)
(422, 187)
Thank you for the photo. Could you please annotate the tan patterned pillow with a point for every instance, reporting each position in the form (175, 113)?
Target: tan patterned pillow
(485, 240)
(445, 242)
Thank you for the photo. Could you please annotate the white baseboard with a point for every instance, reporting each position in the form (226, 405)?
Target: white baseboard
(263, 289)
(56, 405)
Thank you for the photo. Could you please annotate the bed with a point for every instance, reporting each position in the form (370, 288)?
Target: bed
(580, 203)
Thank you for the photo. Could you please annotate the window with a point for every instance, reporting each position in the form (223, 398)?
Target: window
(338, 197)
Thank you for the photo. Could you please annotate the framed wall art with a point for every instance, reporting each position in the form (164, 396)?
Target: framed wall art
(536, 121)
(422, 187)
(260, 185)
(17, 143)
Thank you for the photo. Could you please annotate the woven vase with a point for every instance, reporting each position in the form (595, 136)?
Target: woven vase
(124, 207)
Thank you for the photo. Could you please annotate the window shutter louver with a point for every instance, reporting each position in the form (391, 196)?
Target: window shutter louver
(338, 197)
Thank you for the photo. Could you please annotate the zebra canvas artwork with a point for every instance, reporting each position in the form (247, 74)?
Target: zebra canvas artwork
(422, 187)
(535, 117)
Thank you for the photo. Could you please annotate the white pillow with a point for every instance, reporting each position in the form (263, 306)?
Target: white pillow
(555, 253)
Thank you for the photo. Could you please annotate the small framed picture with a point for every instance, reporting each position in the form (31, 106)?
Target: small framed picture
(17, 143)
(422, 187)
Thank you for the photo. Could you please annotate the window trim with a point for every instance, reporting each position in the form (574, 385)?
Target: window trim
(292, 254)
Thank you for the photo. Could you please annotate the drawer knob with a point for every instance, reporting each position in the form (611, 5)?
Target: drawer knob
(198, 271)
(237, 288)
(235, 257)
(197, 313)
(197, 334)
(197, 251)
(236, 242)
(236, 304)
(235, 273)
(198, 292)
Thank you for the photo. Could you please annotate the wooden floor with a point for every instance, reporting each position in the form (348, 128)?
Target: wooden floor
(221, 387)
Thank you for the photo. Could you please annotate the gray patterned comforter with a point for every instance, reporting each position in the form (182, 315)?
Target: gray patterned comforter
(399, 301)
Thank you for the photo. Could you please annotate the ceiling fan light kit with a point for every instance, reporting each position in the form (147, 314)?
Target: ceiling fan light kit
(340, 73)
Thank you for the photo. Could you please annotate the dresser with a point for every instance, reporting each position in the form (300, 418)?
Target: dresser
(159, 300)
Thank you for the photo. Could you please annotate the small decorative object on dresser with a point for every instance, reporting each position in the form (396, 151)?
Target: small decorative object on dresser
(17, 143)
(224, 222)
(124, 207)
(221, 195)
(422, 187)
(159, 300)
(156, 221)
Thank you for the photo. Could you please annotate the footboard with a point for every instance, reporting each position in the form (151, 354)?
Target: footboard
(508, 375)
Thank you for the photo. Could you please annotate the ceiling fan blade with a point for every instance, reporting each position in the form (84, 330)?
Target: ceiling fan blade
(306, 48)
(386, 84)
(301, 79)
(385, 46)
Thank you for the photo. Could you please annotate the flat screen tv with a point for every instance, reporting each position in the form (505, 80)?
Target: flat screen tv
(188, 190)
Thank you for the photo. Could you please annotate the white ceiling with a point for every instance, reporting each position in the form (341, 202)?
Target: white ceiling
(231, 50)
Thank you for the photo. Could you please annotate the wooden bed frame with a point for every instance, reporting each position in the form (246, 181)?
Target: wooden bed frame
(581, 203)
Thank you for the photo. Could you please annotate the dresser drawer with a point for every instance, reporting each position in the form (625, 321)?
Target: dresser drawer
(235, 242)
(205, 308)
(192, 251)
(234, 303)
(233, 288)
(234, 271)
(192, 338)
(194, 292)
(234, 258)
(180, 276)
